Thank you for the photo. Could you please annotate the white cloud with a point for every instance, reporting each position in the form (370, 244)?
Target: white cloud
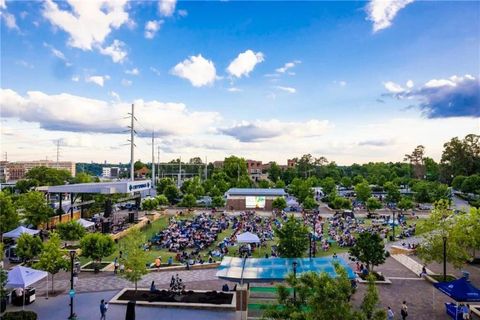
(92, 115)
(151, 28)
(393, 87)
(3, 4)
(287, 66)
(409, 84)
(234, 89)
(115, 95)
(24, 63)
(126, 83)
(167, 7)
(382, 12)
(244, 63)
(182, 13)
(75, 78)
(9, 19)
(98, 80)
(57, 53)
(341, 83)
(116, 51)
(89, 22)
(286, 89)
(155, 70)
(133, 72)
(196, 69)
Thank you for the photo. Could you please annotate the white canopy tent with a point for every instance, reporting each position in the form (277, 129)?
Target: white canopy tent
(85, 223)
(248, 237)
(23, 277)
(15, 233)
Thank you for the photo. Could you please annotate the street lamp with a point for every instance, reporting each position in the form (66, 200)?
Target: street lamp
(393, 223)
(444, 258)
(295, 284)
(72, 290)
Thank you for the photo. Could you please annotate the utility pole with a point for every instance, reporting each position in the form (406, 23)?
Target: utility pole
(132, 143)
(153, 159)
(158, 160)
(5, 157)
(179, 173)
(206, 169)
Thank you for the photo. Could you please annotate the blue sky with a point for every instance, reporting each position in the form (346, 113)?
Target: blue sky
(353, 81)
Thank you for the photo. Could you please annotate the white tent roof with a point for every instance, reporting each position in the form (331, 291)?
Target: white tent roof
(86, 223)
(18, 231)
(22, 277)
(248, 237)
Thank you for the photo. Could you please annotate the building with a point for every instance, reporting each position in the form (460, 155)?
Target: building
(110, 172)
(218, 164)
(4, 172)
(141, 173)
(252, 199)
(254, 169)
(17, 170)
(291, 163)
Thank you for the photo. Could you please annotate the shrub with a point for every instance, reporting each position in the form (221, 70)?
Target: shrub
(20, 315)
(70, 231)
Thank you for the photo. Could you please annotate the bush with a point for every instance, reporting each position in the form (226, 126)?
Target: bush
(70, 231)
(20, 315)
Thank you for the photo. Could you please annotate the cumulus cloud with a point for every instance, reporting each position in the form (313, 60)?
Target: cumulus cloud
(382, 12)
(286, 89)
(92, 115)
(116, 51)
(271, 129)
(89, 22)
(9, 20)
(393, 87)
(244, 63)
(98, 80)
(287, 66)
(151, 28)
(196, 69)
(133, 72)
(126, 82)
(457, 96)
(167, 7)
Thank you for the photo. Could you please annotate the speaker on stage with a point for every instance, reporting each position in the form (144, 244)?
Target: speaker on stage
(106, 226)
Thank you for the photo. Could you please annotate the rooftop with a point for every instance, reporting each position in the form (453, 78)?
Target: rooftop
(256, 192)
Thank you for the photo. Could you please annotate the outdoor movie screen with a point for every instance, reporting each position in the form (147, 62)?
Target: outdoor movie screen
(255, 202)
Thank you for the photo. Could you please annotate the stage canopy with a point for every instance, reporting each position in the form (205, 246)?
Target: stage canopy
(248, 237)
(270, 269)
(86, 223)
(15, 233)
(22, 277)
(459, 290)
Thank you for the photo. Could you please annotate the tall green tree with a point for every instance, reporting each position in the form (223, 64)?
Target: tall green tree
(28, 247)
(36, 211)
(82, 177)
(363, 191)
(52, 258)
(134, 257)
(369, 249)
(8, 214)
(279, 203)
(328, 184)
(405, 204)
(373, 204)
(393, 193)
(461, 157)
(70, 231)
(346, 182)
(235, 167)
(188, 201)
(292, 238)
(370, 301)
(161, 200)
(309, 203)
(48, 176)
(172, 193)
(274, 172)
(163, 183)
(218, 202)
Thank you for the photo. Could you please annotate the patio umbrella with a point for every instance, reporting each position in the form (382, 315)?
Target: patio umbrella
(23, 277)
(15, 233)
(85, 223)
(248, 237)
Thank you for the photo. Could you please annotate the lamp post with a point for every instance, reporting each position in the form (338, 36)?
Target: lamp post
(295, 285)
(444, 258)
(393, 223)
(72, 290)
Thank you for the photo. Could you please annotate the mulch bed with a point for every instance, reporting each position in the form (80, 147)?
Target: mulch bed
(378, 277)
(92, 264)
(209, 297)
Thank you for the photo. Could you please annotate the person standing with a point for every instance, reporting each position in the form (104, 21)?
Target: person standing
(103, 310)
(390, 313)
(465, 310)
(404, 310)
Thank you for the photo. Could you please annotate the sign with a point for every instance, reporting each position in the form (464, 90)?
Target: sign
(255, 202)
(71, 293)
(138, 186)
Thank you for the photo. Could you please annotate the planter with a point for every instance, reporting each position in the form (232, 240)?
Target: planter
(436, 278)
(97, 267)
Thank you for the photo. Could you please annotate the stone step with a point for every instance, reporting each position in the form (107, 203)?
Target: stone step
(410, 264)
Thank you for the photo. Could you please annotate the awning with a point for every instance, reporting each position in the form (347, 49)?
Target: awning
(248, 237)
(22, 277)
(15, 233)
(85, 223)
(459, 290)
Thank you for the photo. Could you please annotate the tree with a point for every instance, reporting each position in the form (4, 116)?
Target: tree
(393, 193)
(235, 167)
(163, 183)
(328, 184)
(346, 182)
(457, 182)
(405, 204)
(28, 247)
(48, 176)
(218, 202)
(188, 201)
(292, 238)
(432, 169)
(70, 231)
(149, 204)
(416, 161)
(363, 191)
(440, 232)
(193, 186)
(422, 192)
(370, 302)
(373, 204)
(8, 214)
(134, 257)
(280, 184)
(82, 177)
(172, 193)
(468, 230)
(369, 249)
(161, 200)
(137, 165)
(340, 203)
(471, 184)
(279, 203)
(274, 172)
(309, 203)
(23, 186)
(319, 297)
(461, 157)
(97, 246)
(52, 258)
(36, 209)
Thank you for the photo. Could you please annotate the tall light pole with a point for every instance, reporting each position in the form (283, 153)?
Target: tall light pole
(295, 285)
(132, 143)
(72, 290)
